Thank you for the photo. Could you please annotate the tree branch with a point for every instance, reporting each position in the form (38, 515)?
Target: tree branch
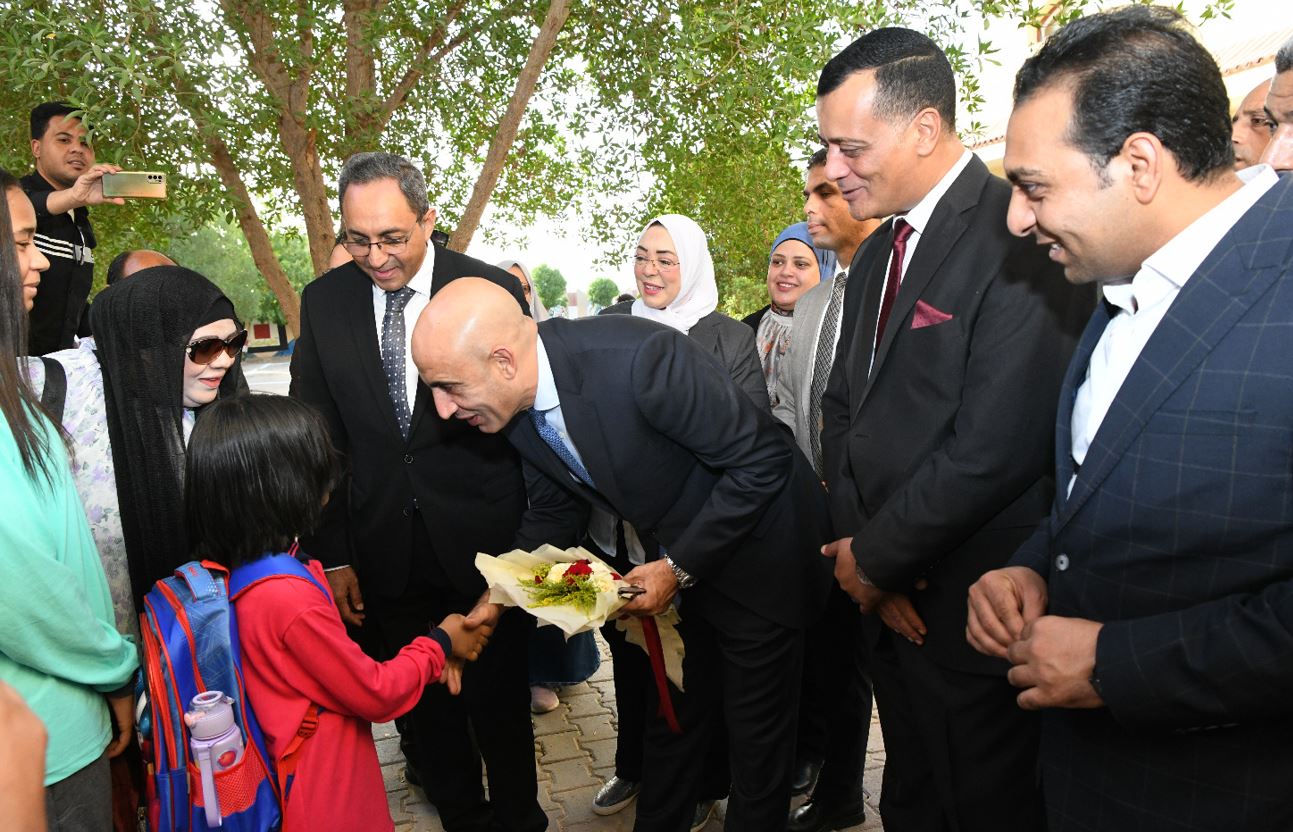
(424, 58)
(505, 135)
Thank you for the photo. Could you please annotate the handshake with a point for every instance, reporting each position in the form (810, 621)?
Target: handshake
(468, 636)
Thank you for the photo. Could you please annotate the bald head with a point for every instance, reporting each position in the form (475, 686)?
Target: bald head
(476, 350)
(130, 262)
(1250, 131)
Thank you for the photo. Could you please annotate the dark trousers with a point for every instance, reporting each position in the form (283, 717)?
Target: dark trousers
(82, 801)
(960, 755)
(835, 705)
(741, 672)
(489, 720)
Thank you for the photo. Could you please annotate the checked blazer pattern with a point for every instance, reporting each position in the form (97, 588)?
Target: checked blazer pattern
(1178, 536)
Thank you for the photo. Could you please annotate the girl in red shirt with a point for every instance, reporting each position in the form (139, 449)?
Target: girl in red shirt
(258, 472)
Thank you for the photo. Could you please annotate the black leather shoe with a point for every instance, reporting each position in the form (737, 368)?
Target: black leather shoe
(815, 816)
(615, 795)
(806, 772)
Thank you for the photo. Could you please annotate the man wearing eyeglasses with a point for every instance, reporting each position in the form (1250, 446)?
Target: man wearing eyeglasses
(420, 497)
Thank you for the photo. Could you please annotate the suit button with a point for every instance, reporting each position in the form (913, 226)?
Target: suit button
(408, 512)
(1062, 562)
(408, 459)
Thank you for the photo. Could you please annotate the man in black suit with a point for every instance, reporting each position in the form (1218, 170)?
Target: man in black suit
(421, 496)
(635, 418)
(937, 429)
(1150, 617)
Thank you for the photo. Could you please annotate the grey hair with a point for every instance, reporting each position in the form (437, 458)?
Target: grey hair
(1284, 57)
(373, 165)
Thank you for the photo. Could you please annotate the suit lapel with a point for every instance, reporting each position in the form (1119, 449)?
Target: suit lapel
(422, 399)
(946, 225)
(1209, 305)
(583, 423)
(1073, 379)
(861, 307)
(363, 333)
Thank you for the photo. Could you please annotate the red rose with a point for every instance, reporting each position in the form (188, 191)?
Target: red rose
(579, 567)
(538, 579)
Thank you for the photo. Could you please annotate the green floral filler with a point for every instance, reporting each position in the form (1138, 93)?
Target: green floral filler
(573, 589)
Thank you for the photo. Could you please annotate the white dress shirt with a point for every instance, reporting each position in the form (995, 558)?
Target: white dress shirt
(1144, 300)
(918, 218)
(421, 286)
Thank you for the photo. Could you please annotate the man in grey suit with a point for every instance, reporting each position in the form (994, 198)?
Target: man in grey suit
(835, 680)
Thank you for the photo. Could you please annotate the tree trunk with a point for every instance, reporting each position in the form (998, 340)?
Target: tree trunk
(307, 177)
(262, 252)
(505, 135)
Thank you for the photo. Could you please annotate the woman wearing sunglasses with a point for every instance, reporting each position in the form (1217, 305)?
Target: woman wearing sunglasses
(167, 342)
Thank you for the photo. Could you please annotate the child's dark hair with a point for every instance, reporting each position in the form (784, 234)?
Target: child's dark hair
(257, 471)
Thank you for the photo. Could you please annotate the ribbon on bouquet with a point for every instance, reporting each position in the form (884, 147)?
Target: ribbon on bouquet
(656, 653)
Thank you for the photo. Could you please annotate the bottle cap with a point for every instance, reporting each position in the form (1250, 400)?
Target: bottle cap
(210, 715)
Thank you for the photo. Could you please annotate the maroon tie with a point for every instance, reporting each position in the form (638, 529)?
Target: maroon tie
(901, 231)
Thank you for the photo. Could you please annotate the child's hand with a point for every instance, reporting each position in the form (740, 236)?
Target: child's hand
(467, 643)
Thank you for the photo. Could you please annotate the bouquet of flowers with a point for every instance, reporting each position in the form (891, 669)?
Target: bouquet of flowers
(575, 590)
(572, 589)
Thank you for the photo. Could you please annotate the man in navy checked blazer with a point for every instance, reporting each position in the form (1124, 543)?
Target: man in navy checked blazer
(1151, 615)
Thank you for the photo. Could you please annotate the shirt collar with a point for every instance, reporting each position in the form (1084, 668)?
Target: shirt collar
(421, 282)
(1167, 270)
(918, 216)
(545, 395)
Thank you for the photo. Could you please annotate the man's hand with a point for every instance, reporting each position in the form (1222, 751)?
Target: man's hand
(484, 614)
(451, 676)
(898, 613)
(866, 596)
(86, 190)
(345, 590)
(1001, 604)
(123, 722)
(467, 642)
(1053, 661)
(660, 584)
(22, 764)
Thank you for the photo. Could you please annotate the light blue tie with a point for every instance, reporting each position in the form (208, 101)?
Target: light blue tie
(549, 435)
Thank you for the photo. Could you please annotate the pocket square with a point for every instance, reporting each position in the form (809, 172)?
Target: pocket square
(926, 315)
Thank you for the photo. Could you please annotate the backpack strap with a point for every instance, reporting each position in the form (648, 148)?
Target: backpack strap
(285, 770)
(268, 568)
(201, 579)
(53, 395)
(244, 578)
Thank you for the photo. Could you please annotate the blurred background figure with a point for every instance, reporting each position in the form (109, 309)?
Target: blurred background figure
(522, 273)
(794, 267)
(1250, 128)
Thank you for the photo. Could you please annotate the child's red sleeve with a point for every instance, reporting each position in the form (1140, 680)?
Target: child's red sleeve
(325, 665)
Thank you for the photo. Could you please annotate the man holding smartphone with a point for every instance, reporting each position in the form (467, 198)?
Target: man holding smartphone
(66, 181)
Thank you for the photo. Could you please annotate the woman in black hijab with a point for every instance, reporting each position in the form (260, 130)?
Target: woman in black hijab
(168, 343)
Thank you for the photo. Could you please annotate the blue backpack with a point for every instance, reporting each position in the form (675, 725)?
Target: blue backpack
(190, 641)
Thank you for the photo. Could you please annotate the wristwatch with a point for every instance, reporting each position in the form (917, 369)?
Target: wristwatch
(685, 581)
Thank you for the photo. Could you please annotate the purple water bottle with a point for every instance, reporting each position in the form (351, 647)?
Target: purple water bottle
(216, 743)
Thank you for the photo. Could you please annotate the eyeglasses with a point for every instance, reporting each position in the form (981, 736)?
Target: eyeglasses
(664, 264)
(205, 350)
(390, 245)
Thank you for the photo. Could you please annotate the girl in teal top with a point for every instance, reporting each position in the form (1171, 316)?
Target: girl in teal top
(59, 645)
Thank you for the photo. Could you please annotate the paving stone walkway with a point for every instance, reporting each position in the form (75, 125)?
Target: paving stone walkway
(574, 748)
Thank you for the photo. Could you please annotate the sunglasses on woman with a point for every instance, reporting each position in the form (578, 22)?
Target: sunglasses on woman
(205, 350)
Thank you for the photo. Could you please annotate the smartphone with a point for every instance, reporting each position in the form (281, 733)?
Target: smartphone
(145, 184)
